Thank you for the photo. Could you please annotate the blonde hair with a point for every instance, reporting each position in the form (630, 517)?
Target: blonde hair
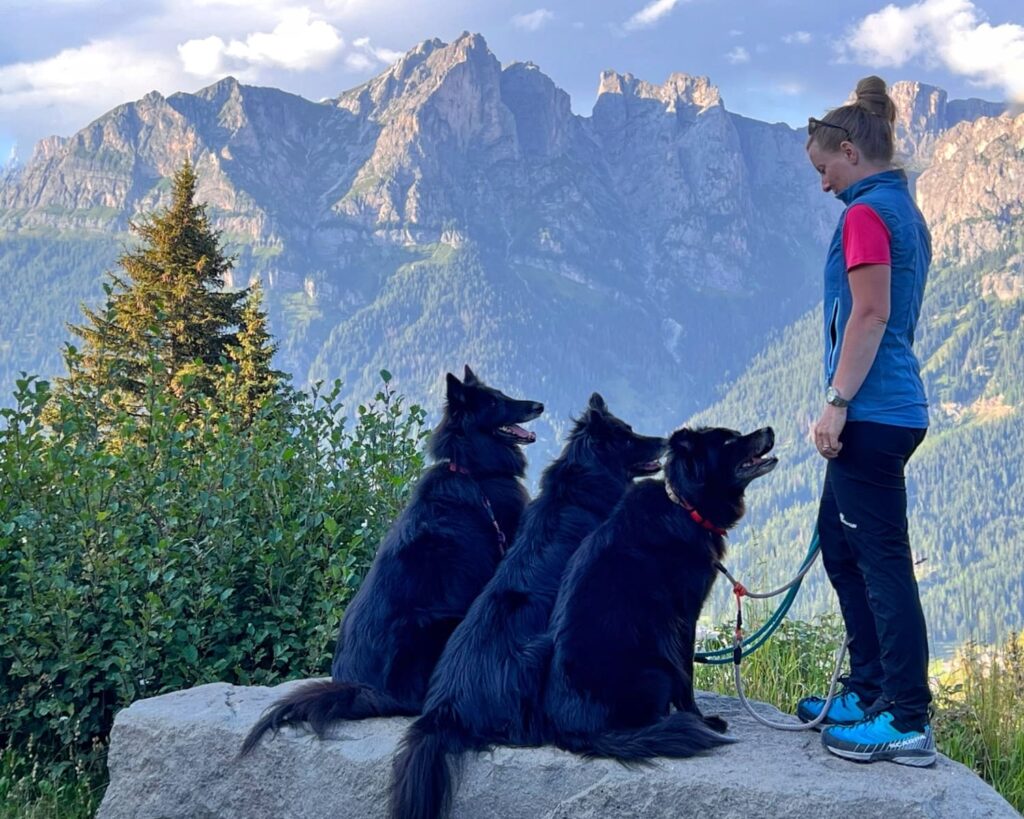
(867, 122)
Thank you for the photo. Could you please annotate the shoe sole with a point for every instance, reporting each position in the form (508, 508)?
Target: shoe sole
(915, 759)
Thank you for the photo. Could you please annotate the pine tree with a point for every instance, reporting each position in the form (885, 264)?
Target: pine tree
(255, 380)
(166, 321)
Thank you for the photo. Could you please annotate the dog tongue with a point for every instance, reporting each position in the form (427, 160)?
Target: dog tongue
(522, 434)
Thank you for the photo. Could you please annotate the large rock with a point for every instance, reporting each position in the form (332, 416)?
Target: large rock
(175, 756)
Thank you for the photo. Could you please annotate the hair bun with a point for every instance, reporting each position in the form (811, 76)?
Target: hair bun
(872, 95)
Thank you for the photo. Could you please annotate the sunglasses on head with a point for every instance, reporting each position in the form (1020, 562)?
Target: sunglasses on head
(814, 124)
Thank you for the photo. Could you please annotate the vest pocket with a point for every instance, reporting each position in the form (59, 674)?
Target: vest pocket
(833, 339)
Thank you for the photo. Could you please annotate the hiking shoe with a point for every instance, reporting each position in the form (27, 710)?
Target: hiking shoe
(875, 739)
(846, 709)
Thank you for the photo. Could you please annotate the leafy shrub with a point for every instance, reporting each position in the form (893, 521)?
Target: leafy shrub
(174, 548)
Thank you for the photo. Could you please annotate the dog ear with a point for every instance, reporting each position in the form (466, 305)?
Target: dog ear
(597, 402)
(683, 441)
(684, 448)
(469, 377)
(454, 389)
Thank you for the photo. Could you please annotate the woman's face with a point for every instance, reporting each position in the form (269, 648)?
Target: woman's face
(838, 169)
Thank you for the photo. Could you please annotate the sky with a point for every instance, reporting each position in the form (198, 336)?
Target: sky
(64, 63)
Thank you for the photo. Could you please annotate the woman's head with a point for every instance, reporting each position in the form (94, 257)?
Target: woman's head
(856, 139)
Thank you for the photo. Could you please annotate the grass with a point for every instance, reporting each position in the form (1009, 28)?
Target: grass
(979, 718)
(32, 788)
(978, 715)
(797, 661)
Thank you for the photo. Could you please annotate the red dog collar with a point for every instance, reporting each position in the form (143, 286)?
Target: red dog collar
(694, 514)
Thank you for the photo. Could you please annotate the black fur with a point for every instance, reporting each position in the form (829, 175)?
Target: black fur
(623, 629)
(431, 565)
(487, 684)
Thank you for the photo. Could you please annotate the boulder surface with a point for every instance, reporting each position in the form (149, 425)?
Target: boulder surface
(176, 756)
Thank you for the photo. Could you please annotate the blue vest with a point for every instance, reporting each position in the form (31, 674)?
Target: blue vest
(892, 392)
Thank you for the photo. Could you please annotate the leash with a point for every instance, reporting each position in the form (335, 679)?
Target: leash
(502, 540)
(742, 647)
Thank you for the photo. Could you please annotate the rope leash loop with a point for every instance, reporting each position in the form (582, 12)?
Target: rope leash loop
(742, 647)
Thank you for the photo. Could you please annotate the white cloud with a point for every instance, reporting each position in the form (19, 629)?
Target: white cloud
(297, 43)
(651, 13)
(204, 58)
(532, 21)
(738, 55)
(369, 56)
(357, 61)
(951, 32)
(790, 89)
(801, 37)
(102, 72)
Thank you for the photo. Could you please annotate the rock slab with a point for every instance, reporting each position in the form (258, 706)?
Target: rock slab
(174, 757)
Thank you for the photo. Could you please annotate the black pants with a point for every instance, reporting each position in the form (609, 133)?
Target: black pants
(862, 526)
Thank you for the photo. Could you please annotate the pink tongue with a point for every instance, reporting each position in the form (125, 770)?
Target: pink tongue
(519, 432)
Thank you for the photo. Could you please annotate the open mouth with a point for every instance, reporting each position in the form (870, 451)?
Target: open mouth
(646, 468)
(757, 465)
(517, 434)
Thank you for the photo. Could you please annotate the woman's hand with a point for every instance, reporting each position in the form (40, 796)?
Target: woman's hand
(826, 432)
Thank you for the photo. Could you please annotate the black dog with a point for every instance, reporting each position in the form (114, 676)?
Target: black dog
(431, 565)
(624, 624)
(486, 687)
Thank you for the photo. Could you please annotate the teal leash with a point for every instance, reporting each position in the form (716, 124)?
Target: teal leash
(744, 646)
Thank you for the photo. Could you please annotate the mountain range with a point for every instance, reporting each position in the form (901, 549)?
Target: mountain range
(662, 250)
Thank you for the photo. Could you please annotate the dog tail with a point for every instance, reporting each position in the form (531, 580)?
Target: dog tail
(322, 702)
(680, 734)
(422, 784)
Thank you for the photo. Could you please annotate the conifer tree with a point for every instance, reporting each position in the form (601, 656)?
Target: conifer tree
(166, 319)
(255, 380)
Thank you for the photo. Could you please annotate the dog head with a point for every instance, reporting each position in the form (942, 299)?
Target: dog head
(711, 467)
(480, 427)
(614, 443)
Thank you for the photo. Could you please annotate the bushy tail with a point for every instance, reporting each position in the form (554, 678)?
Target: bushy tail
(680, 734)
(322, 702)
(422, 784)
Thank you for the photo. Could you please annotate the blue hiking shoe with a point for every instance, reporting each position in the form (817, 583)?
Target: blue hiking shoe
(846, 709)
(875, 739)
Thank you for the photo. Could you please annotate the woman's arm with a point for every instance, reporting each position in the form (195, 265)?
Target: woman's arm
(869, 285)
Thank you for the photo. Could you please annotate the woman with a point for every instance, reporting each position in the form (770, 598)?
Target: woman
(874, 416)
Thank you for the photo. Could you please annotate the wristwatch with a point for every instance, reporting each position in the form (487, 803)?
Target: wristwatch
(833, 397)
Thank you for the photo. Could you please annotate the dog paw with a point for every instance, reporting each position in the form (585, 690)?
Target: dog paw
(716, 724)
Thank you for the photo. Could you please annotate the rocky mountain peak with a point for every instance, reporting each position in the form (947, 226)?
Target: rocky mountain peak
(677, 91)
(542, 110)
(416, 76)
(924, 112)
(973, 194)
(220, 91)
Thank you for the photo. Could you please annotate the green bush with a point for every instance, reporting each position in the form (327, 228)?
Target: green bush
(171, 548)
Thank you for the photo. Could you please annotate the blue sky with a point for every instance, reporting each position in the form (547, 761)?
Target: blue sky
(66, 62)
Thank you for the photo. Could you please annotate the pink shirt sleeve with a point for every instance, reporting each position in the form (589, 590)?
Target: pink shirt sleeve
(865, 238)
